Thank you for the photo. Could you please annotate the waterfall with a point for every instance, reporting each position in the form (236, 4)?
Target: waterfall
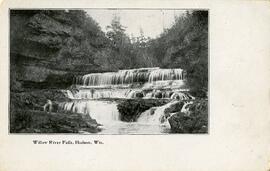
(70, 94)
(181, 96)
(128, 94)
(130, 76)
(102, 111)
(132, 83)
(156, 115)
(96, 95)
(159, 115)
(185, 108)
(165, 74)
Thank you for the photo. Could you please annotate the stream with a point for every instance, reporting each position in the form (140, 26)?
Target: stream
(91, 90)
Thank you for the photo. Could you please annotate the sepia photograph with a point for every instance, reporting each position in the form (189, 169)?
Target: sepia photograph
(156, 85)
(108, 71)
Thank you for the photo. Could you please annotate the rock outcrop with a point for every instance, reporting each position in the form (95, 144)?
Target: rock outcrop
(195, 121)
(28, 121)
(27, 115)
(48, 44)
(130, 109)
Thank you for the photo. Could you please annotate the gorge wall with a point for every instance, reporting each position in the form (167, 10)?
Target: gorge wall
(46, 44)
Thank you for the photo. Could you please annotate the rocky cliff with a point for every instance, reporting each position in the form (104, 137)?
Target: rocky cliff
(47, 49)
(46, 44)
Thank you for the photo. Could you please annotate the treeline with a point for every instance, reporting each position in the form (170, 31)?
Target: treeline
(72, 40)
(184, 45)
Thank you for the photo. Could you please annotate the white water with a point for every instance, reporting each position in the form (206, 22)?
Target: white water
(102, 111)
(130, 76)
(98, 93)
(127, 93)
(152, 121)
(156, 115)
(135, 128)
(125, 84)
(106, 113)
(185, 108)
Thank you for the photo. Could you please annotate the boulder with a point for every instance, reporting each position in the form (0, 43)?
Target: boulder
(195, 122)
(176, 124)
(136, 94)
(174, 107)
(130, 109)
(158, 94)
(181, 96)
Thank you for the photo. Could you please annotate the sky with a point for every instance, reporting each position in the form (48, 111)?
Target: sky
(152, 22)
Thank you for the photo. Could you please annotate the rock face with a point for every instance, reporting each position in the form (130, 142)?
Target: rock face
(35, 99)
(48, 44)
(131, 109)
(194, 122)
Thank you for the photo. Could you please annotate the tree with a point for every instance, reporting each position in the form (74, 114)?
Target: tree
(120, 43)
(185, 45)
(116, 33)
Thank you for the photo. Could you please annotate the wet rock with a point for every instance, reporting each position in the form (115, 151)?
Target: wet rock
(136, 94)
(130, 109)
(152, 110)
(195, 122)
(176, 123)
(175, 107)
(181, 96)
(158, 94)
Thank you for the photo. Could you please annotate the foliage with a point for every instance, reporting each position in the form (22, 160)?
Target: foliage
(185, 45)
(120, 44)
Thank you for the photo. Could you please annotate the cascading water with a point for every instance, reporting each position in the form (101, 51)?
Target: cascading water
(156, 115)
(130, 76)
(102, 111)
(127, 93)
(185, 108)
(95, 95)
(98, 93)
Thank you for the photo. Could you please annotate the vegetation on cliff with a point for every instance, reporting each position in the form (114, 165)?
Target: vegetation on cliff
(56, 42)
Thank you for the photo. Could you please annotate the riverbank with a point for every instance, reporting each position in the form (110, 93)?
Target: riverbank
(27, 115)
(34, 121)
(188, 116)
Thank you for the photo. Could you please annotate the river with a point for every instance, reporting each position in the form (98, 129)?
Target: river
(142, 83)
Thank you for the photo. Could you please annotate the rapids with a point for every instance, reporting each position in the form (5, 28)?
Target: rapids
(94, 94)
(130, 76)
